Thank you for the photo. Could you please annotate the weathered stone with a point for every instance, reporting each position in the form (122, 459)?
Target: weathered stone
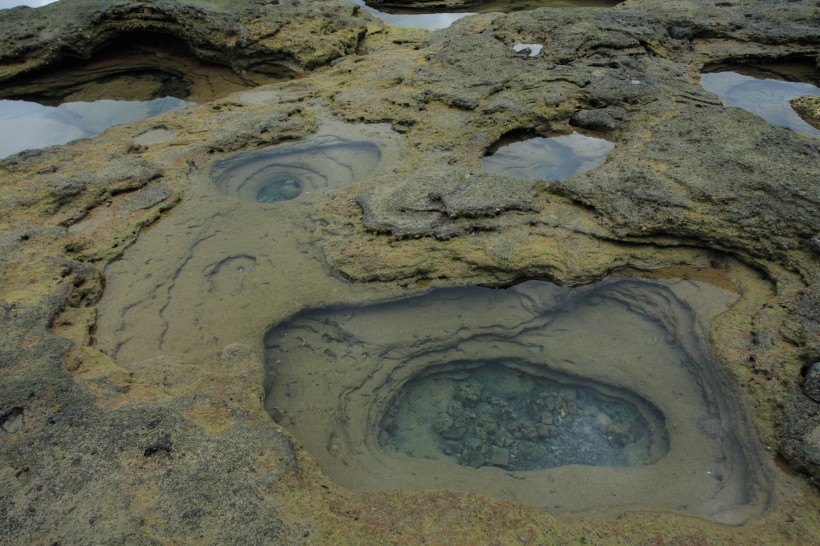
(808, 108)
(811, 384)
(680, 33)
(605, 119)
(686, 175)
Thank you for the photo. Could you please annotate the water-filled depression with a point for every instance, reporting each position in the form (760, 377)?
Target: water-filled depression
(546, 158)
(590, 399)
(37, 126)
(765, 91)
(239, 240)
(283, 172)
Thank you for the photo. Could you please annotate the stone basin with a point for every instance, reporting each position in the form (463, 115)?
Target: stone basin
(415, 394)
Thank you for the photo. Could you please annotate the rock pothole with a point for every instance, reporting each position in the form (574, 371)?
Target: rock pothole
(283, 172)
(766, 90)
(567, 399)
(520, 417)
(546, 158)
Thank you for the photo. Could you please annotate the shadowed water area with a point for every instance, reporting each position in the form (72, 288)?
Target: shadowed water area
(135, 66)
(598, 398)
(547, 158)
(128, 79)
(763, 96)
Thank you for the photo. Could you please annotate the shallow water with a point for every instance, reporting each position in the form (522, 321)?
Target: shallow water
(450, 389)
(767, 98)
(285, 171)
(548, 158)
(496, 413)
(36, 126)
(211, 274)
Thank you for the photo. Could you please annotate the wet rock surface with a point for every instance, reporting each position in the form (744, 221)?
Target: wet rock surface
(689, 183)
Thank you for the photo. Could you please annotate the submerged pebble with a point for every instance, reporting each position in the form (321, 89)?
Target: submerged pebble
(505, 417)
(279, 190)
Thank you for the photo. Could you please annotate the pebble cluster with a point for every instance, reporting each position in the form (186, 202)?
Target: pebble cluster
(545, 425)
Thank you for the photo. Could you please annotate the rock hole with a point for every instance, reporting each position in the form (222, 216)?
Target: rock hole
(525, 155)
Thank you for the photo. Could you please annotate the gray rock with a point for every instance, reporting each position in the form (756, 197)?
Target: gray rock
(147, 197)
(598, 120)
(443, 201)
(499, 456)
(677, 32)
(811, 385)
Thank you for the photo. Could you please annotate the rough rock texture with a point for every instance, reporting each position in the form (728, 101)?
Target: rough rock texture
(243, 35)
(91, 452)
(442, 202)
(811, 384)
(809, 109)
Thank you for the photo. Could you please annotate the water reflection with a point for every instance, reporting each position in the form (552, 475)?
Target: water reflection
(553, 158)
(766, 98)
(426, 21)
(36, 126)
(6, 4)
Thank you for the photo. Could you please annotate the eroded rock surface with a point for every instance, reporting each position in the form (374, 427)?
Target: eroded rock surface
(688, 184)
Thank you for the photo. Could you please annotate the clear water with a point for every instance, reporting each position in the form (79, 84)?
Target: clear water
(29, 125)
(284, 172)
(491, 414)
(596, 398)
(548, 158)
(767, 98)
